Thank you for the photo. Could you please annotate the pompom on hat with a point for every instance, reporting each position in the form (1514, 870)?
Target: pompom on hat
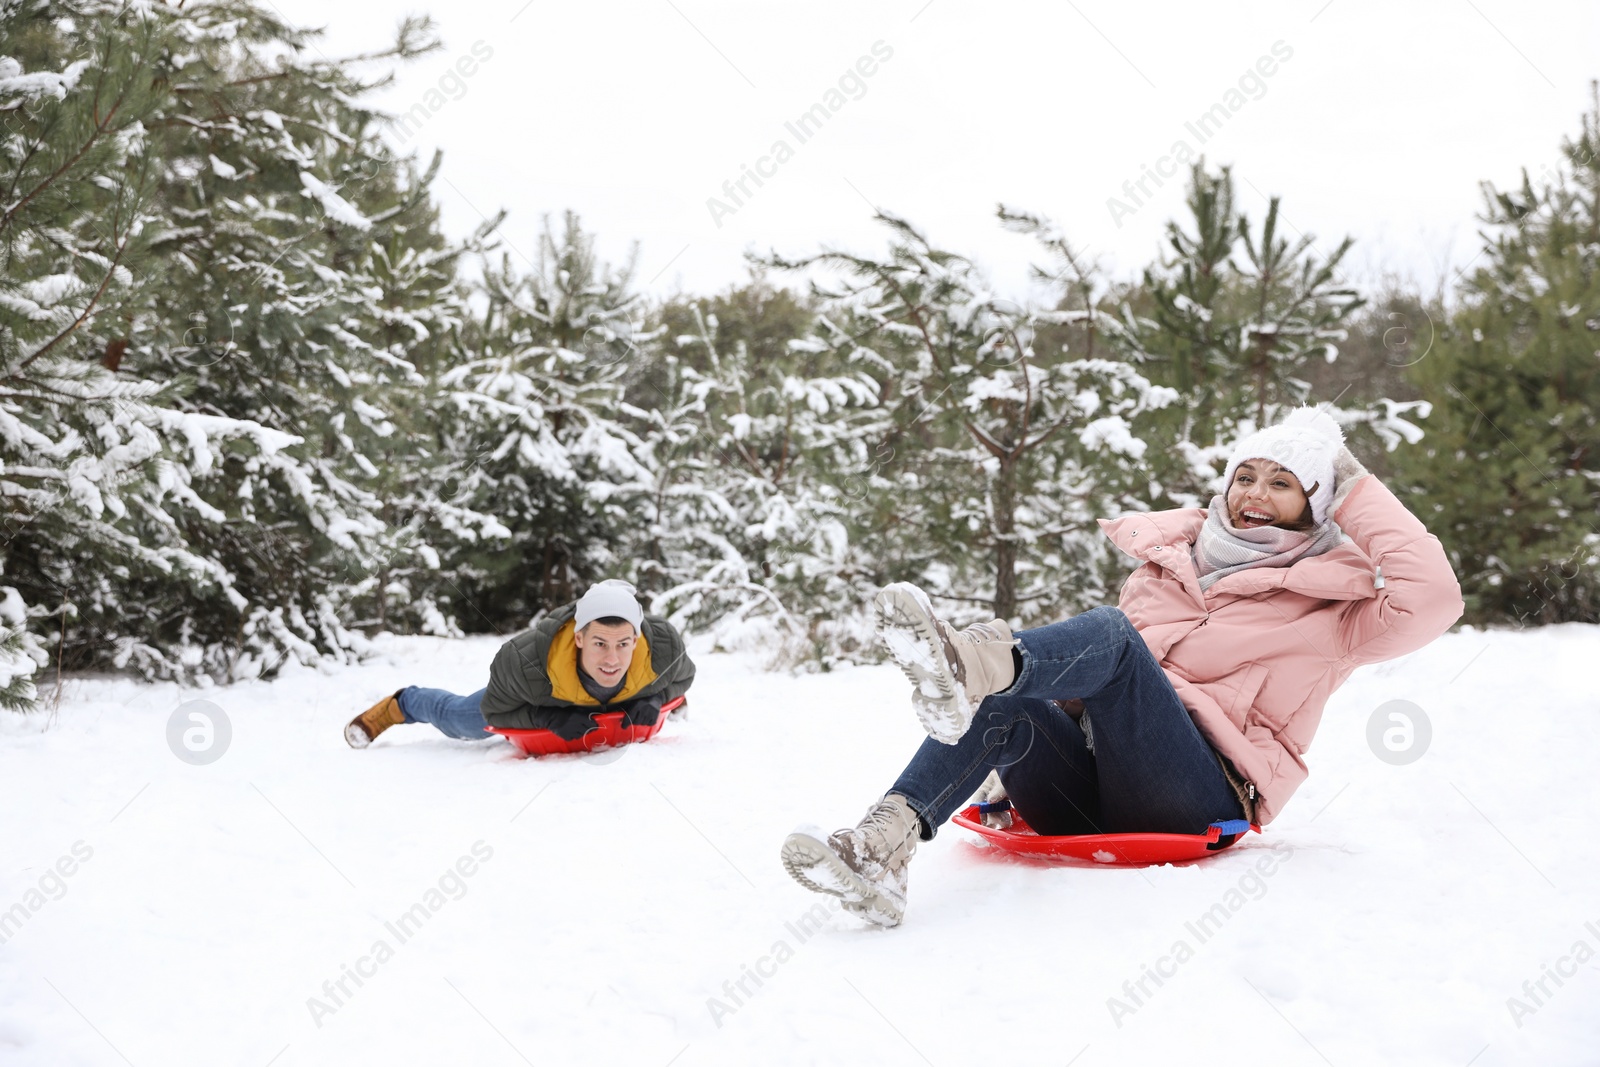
(612, 598)
(1305, 443)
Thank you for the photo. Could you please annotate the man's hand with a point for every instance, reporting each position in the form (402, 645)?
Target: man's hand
(642, 712)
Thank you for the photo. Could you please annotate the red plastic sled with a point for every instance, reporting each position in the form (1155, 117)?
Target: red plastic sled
(1125, 850)
(610, 731)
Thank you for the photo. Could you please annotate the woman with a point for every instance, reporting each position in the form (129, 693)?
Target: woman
(1191, 702)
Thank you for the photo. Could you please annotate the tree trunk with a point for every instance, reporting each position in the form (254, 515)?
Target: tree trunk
(1261, 381)
(111, 359)
(383, 572)
(547, 577)
(1005, 539)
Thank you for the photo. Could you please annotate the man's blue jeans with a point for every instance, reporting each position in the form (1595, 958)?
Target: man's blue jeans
(1150, 770)
(455, 716)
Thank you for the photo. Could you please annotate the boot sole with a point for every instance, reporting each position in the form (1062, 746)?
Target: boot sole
(816, 867)
(905, 622)
(355, 735)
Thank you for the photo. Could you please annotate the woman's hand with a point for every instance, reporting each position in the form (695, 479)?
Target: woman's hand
(1347, 471)
(990, 791)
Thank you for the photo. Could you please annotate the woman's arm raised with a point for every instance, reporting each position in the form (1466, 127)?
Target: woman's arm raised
(1418, 595)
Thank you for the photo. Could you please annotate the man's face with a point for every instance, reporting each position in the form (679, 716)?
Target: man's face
(604, 652)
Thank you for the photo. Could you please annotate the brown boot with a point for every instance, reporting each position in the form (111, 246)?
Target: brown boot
(374, 721)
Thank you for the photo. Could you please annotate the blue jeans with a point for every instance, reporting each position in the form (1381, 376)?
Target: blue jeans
(455, 716)
(1150, 770)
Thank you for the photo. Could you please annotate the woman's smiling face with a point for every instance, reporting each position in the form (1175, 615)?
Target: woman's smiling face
(1265, 494)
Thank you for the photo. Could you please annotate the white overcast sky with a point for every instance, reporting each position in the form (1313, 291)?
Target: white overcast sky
(1380, 125)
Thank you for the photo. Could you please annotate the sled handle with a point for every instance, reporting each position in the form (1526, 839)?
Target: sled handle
(1229, 829)
(1225, 832)
(1223, 827)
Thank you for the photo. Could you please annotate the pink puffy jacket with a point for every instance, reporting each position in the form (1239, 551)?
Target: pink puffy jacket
(1256, 656)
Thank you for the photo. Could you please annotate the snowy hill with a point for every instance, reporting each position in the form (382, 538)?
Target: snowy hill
(431, 901)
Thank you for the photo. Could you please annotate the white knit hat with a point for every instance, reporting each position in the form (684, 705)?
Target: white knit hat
(1305, 443)
(612, 598)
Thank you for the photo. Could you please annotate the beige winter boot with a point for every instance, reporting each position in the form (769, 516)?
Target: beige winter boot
(361, 730)
(864, 867)
(951, 671)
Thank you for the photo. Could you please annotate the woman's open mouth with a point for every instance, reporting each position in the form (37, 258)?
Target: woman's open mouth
(1253, 517)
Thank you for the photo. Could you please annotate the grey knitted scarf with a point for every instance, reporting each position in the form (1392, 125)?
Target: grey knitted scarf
(1221, 549)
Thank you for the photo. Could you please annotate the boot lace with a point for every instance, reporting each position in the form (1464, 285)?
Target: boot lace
(886, 830)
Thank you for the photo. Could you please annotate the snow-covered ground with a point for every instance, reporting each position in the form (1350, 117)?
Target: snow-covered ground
(608, 909)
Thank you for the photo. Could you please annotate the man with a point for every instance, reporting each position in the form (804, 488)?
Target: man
(602, 653)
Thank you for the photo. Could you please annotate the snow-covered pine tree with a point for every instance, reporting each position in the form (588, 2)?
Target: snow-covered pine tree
(1228, 319)
(1509, 474)
(755, 529)
(99, 469)
(285, 289)
(300, 279)
(536, 433)
(415, 309)
(681, 518)
(986, 471)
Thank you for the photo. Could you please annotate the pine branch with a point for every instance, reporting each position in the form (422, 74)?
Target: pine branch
(82, 317)
(99, 131)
